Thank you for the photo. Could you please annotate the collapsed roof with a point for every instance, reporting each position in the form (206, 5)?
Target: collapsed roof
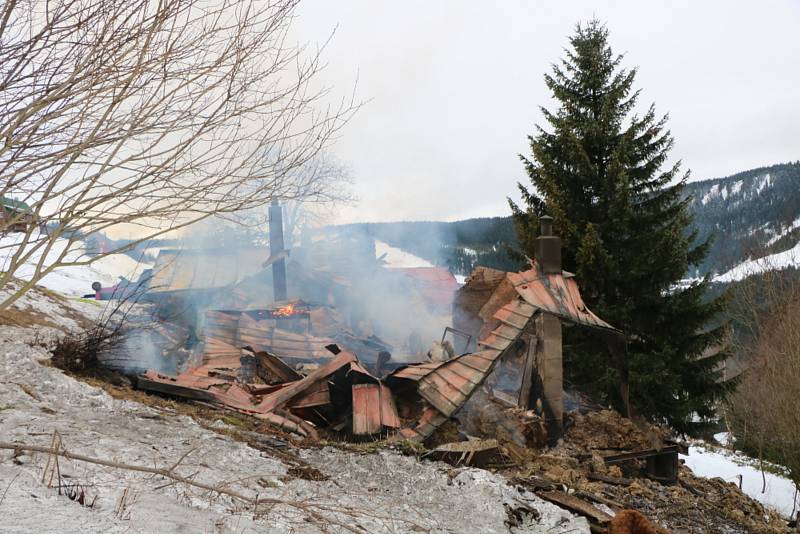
(497, 306)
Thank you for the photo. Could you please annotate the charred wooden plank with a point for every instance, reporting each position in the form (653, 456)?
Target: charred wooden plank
(174, 390)
(275, 365)
(616, 481)
(576, 505)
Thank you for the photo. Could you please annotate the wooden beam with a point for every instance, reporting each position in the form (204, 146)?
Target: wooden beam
(530, 367)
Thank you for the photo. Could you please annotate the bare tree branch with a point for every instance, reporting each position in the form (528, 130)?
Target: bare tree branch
(148, 116)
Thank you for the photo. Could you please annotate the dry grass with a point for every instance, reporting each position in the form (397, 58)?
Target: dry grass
(25, 318)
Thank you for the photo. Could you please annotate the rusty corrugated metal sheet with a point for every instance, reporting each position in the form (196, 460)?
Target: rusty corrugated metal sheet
(317, 395)
(357, 368)
(226, 331)
(389, 417)
(279, 398)
(416, 371)
(556, 294)
(513, 317)
(189, 380)
(449, 386)
(429, 421)
(373, 409)
(446, 386)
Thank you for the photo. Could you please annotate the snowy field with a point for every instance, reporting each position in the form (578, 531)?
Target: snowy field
(76, 280)
(384, 492)
(709, 461)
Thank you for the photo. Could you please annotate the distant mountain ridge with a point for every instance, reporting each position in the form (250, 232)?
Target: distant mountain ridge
(751, 214)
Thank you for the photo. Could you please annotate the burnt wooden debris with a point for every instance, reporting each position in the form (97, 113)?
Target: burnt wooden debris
(284, 342)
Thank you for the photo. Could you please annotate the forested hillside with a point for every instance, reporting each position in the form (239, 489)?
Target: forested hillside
(750, 214)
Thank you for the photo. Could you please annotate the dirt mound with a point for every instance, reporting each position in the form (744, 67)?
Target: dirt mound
(608, 430)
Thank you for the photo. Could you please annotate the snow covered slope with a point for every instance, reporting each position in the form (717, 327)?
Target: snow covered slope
(74, 280)
(778, 491)
(772, 262)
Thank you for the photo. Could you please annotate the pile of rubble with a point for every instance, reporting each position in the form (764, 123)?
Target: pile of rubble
(583, 473)
(298, 366)
(315, 386)
(603, 464)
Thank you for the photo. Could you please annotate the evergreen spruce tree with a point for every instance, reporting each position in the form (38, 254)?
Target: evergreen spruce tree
(600, 171)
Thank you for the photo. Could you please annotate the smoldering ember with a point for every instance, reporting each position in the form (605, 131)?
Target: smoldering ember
(201, 332)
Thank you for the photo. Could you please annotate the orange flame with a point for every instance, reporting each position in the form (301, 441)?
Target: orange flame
(286, 311)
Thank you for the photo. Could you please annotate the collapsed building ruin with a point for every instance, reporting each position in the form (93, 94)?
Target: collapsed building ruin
(335, 360)
(297, 339)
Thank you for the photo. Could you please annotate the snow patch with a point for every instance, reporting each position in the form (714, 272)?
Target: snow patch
(773, 262)
(779, 491)
(763, 182)
(75, 280)
(712, 193)
(399, 258)
(57, 310)
(783, 231)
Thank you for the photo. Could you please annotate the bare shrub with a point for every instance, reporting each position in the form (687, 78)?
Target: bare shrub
(79, 352)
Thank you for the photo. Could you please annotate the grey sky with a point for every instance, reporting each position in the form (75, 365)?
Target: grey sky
(455, 87)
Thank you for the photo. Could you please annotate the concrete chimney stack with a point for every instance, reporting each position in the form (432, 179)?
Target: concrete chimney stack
(550, 361)
(548, 247)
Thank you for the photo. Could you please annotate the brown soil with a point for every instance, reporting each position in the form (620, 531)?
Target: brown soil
(25, 318)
